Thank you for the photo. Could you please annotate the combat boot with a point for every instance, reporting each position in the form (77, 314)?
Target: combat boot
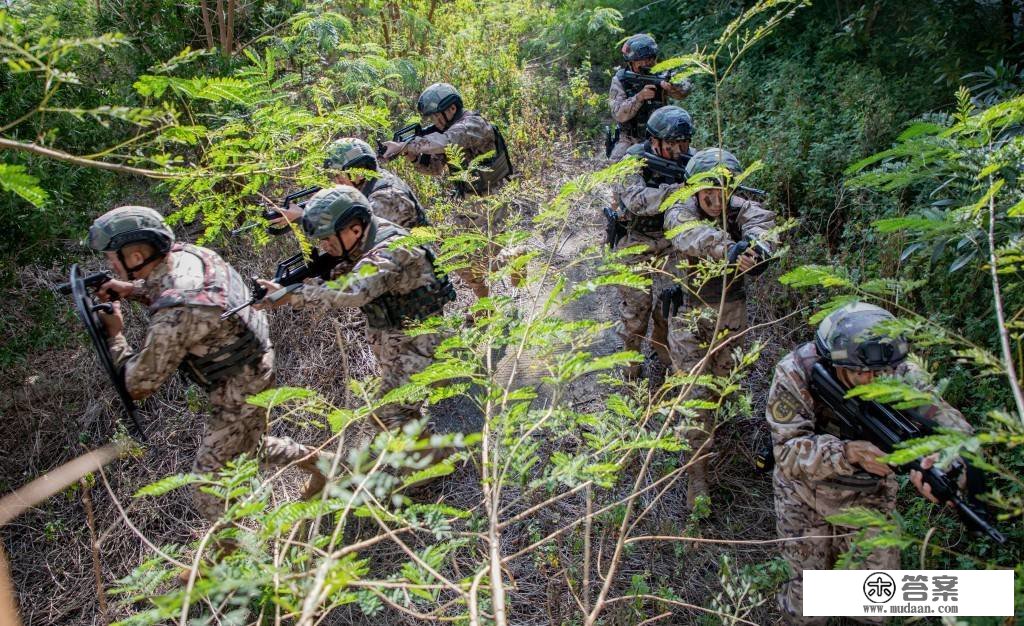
(696, 482)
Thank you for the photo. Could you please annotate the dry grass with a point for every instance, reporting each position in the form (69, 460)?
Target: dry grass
(55, 403)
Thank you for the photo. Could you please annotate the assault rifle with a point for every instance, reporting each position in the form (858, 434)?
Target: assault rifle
(298, 197)
(886, 428)
(633, 82)
(87, 308)
(763, 255)
(406, 134)
(658, 170)
(292, 271)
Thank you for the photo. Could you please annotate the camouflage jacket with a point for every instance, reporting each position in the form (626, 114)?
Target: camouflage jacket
(186, 295)
(382, 273)
(637, 195)
(392, 199)
(704, 238)
(475, 136)
(803, 451)
(631, 112)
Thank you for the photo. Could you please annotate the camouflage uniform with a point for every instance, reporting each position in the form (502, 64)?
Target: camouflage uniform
(381, 274)
(640, 208)
(691, 330)
(186, 295)
(393, 200)
(631, 113)
(476, 136)
(814, 479)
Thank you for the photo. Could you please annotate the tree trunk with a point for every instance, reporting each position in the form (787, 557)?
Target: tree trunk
(229, 36)
(207, 26)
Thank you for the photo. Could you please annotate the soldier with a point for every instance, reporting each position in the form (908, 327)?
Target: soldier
(455, 126)
(818, 474)
(393, 284)
(632, 108)
(351, 161)
(640, 198)
(711, 311)
(186, 288)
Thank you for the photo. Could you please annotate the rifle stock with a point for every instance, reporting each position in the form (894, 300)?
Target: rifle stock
(886, 428)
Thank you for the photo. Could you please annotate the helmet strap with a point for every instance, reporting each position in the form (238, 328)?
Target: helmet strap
(131, 270)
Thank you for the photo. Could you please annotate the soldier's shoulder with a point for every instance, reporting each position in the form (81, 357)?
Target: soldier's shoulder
(187, 271)
(797, 364)
(637, 149)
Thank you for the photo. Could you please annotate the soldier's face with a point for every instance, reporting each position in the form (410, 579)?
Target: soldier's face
(344, 178)
(673, 149)
(712, 200)
(441, 119)
(642, 65)
(854, 378)
(347, 239)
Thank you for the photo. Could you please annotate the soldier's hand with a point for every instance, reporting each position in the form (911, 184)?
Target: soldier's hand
(647, 93)
(865, 454)
(392, 149)
(293, 215)
(747, 260)
(917, 479)
(115, 289)
(113, 322)
(267, 302)
(676, 91)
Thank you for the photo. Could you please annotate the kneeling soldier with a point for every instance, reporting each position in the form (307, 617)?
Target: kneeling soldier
(817, 472)
(639, 199)
(392, 283)
(186, 288)
(715, 228)
(352, 161)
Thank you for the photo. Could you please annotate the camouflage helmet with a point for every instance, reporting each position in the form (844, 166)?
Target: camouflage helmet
(438, 97)
(845, 337)
(670, 122)
(639, 47)
(332, 209)
(130, 224)
(710, 158)
(348, 153)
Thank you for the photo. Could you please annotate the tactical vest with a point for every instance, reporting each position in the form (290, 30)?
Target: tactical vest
(649, 225)
(393, 310)
(711, 291)
(637, 126)
(387, 180)
(492, 172)
(222, 288)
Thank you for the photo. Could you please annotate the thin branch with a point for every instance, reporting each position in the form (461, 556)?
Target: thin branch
(59, 155)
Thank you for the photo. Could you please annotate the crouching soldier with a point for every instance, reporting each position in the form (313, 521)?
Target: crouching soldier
(631, 103)
(393, 284)
(186, 288)
(639, 201)
(818, 472)
(352, 161)
(708, 312)
(453, 125)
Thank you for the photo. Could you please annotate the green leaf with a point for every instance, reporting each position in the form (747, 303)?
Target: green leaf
(16, 179)
(815, 276)
(170, 483)
(279, 395)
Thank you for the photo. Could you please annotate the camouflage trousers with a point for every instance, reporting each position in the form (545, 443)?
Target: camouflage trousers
(236, 427)
(487, 218)
(400, 356)
(800, 511)
(641, 309)
(691, 333)
(624, 143)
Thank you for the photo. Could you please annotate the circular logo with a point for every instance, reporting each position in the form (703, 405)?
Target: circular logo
(879, 587)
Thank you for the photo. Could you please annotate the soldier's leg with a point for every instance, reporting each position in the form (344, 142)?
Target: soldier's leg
(686, 352)
(401, 356)
(619, 150)
(658, 321)
(634, 313)
(796, 518)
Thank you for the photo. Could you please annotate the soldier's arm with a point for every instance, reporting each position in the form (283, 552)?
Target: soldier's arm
(754, 220)
(623, 107)
(800, 453)
(434, 143)
(639, 199)
(171, 332)
(368, 280)
(700, 238)
(940, 411)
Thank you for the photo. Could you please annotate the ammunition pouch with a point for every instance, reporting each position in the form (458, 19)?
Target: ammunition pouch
(210, 370)
(394, 310)
(647, 224)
